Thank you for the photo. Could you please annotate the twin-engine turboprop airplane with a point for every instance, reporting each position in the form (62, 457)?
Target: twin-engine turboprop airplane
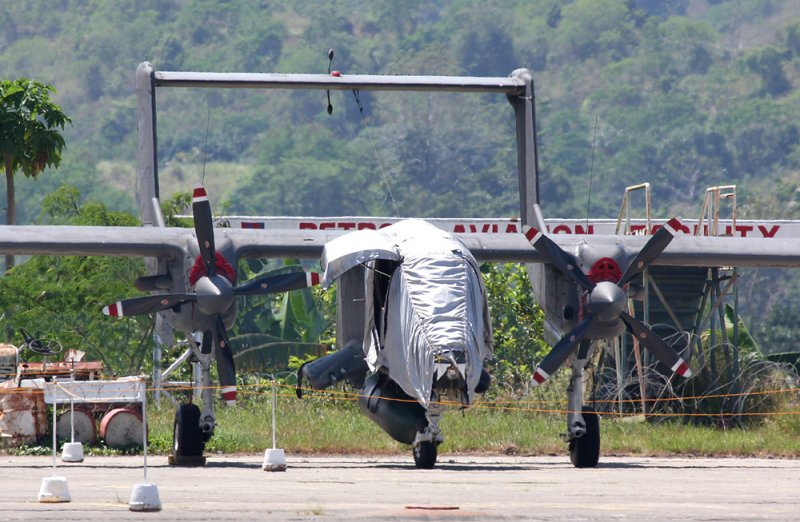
(412, 321)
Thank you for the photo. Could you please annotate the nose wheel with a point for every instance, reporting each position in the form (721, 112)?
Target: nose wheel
(425, 454)
(427, 440)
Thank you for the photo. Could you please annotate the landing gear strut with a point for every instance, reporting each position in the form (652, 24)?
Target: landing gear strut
(427, 440)
(193, 428)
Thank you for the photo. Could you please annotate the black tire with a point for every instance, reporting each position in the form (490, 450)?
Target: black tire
(187, 440)
(584, 452)
(425, 455)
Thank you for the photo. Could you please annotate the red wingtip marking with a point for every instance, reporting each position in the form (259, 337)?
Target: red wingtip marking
(314, 278)
(112, 310)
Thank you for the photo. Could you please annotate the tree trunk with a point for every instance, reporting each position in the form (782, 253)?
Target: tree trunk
(11, 209)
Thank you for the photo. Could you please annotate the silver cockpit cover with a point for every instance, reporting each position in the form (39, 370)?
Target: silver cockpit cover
(436, 303)
(353, 249)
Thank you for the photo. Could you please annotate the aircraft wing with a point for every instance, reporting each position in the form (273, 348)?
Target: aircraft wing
(94, 241)
(154, 241)
(280, 244)
(684, 250)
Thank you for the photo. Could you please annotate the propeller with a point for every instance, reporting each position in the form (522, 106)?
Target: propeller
(213, 294)
(605, 301)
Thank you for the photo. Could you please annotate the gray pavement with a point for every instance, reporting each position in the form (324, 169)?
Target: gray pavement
(390, 488)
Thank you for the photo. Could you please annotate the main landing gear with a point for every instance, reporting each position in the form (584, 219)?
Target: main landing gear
(192, 428)
(187, 439)
(583, 423)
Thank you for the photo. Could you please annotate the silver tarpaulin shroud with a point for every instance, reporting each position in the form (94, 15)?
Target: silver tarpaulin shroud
(436, 304)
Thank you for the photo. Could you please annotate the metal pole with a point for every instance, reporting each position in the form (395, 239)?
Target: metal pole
(54, 428)
(618, 363)
(72, 406)
(736, 350)
(157, 367)
(274, 404)
(144, 428)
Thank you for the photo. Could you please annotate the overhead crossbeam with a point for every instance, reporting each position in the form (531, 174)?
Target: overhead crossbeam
(345, 82)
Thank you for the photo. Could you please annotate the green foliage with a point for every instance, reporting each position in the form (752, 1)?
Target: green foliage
(29, 121)
(664, 82)
(768, 63)
(178, 204)
(30, 138)
(61, 297)
(516, 323)
(272, 332)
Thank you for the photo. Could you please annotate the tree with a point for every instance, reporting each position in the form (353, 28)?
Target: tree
(60, 297)
(29, 137)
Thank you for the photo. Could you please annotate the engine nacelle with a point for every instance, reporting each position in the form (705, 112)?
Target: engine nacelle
(388, 406)
(346, 364)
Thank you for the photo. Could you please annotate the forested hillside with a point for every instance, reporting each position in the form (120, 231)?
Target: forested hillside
(681, 93)
(684, 94)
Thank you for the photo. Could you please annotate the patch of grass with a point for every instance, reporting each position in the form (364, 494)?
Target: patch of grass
(326, 423)
(331, 423)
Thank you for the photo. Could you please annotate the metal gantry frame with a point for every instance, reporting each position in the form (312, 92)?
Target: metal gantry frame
(717, 296)
(720, 289)
(624, 227)
(518, 88)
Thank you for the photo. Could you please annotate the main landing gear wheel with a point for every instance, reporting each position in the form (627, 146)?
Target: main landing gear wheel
(584, 451)
(187, 439)
(425, 455)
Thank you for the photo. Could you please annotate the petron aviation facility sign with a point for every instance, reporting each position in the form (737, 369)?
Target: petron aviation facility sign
(457, 226)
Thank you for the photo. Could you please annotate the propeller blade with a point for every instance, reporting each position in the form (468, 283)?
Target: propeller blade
(147, 305)
(204, 228)
(225, 365)
(278, 283)
(651, 250)
(557, 256)
(561, 352)
(656, 344)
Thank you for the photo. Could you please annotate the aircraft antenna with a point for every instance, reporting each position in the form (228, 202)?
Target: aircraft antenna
(328, 92)
(205, 146)
(591, 173)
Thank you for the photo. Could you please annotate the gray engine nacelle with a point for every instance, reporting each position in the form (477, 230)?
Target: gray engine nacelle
(388, 406)
(346, 364)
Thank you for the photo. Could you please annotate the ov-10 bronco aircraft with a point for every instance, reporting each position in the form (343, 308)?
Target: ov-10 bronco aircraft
(412, 324)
